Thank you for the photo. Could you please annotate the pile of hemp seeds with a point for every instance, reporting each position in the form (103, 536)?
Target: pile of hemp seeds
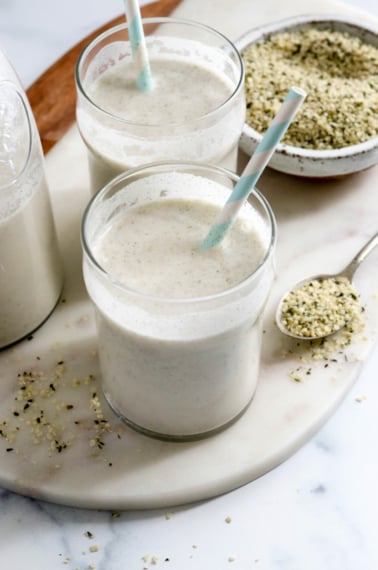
(339, 72)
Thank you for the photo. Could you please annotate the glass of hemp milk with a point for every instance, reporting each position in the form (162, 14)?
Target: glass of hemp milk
(30, 269)
(194, 111)
(179, 327)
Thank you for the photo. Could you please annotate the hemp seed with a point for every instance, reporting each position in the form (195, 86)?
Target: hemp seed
(320, 307)
(339, 72)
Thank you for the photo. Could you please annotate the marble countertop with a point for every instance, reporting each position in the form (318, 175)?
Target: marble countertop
(317, 510)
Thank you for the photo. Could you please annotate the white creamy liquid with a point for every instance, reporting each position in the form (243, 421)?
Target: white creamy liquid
(154, 249)
(181, 91)
(174, 120)
(30, 272)
(179, 368)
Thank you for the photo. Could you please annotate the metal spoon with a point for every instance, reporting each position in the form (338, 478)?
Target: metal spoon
(348, 272)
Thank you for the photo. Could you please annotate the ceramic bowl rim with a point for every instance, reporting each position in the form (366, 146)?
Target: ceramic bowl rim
(363, 28)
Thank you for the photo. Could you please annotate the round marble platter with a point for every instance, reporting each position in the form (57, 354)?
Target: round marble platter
(62, 443)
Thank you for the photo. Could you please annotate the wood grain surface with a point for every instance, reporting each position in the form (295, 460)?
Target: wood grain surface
(53, 95)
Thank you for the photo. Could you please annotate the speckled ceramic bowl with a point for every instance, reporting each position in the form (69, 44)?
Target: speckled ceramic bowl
(306, 162)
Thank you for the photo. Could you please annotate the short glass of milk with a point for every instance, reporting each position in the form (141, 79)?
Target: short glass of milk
(179, 328)
(30, 268)
(194, 111)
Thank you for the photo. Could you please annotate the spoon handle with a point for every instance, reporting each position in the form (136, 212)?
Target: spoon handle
(351, 268)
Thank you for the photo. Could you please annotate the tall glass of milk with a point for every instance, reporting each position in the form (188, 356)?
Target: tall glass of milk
(194, 111)
(30, 270)
(179, 328)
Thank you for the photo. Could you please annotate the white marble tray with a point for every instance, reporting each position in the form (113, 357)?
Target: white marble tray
(320, 226)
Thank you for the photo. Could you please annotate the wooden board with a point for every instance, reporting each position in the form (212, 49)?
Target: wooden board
(53, 95)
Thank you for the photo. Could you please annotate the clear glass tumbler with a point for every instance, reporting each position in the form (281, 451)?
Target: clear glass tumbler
(195, 110)
(176, 367)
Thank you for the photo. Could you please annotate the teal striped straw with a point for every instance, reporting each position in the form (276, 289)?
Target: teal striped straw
(255, 167)
(138, 45)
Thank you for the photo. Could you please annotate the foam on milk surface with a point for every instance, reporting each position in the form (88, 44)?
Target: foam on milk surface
(155, 249)
(177, 95)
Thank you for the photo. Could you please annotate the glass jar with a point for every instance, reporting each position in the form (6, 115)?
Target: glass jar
(177, 365)
(30, 266)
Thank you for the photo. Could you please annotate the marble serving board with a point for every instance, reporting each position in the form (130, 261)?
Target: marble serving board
(62, 443)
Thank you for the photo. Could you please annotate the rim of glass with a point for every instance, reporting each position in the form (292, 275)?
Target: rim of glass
(177, 300)
(166, 20)
(25, 107)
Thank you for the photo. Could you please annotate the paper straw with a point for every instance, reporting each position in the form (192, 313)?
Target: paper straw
(138, 44)
(255, 166)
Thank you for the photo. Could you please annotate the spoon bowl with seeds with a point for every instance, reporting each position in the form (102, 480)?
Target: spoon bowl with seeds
(323, 304)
